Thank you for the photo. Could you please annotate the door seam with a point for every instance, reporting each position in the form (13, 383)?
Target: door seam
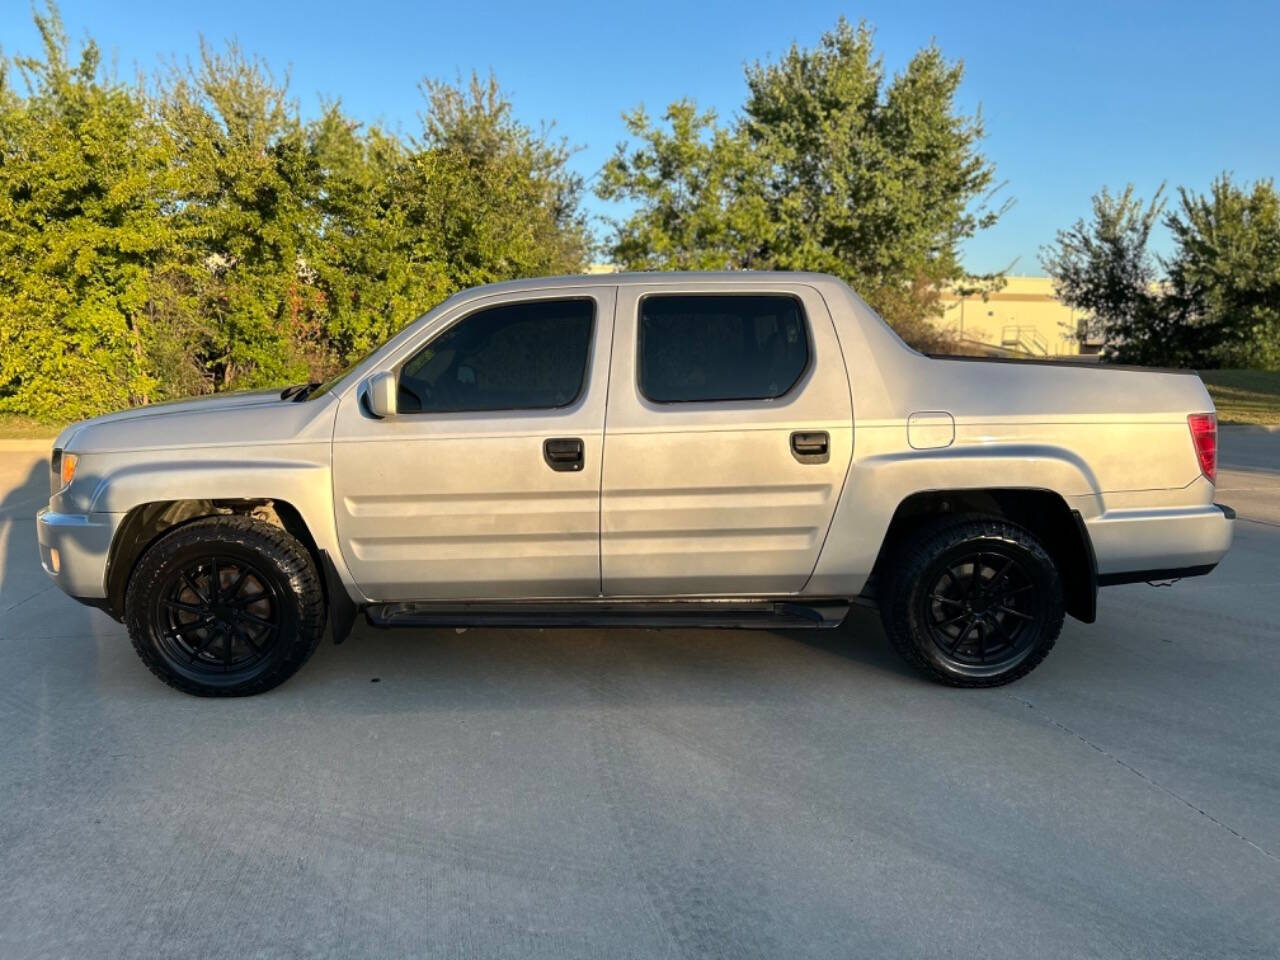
(604, 443)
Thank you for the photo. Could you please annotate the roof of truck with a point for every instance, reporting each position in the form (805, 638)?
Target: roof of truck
(654, 276)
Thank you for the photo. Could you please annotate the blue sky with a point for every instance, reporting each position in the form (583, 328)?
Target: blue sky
(1075, 95)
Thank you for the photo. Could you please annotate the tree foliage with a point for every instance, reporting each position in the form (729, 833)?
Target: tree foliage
(1215, 302)
(1225, 273)
(84, 182)
(1105, 268)
(197, 233)
(699, 206)
(831, 167)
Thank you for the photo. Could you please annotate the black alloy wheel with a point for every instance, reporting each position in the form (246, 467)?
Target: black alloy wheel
(218, 614)
(982, 608)
(225, 606)
(972, 600)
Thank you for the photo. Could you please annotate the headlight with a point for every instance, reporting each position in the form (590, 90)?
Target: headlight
(69, 461)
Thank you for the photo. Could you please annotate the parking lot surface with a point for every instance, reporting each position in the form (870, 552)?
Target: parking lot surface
(642, 793)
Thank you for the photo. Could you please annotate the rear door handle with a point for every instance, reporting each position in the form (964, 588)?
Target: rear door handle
(811, 446)
(563, 453)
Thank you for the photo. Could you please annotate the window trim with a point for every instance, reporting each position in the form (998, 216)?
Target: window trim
(669, 295)
(398, 368)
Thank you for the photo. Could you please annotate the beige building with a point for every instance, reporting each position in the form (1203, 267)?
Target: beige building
(1023, 319)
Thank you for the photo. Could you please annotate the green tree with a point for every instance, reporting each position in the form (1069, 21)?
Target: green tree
(374, 277)
(831, 167)
(1225, 273)
(305, 244)
(498, 195)
(247, 182)
(477, 197)
(84, 184)
(1105, 268)
(697, 191)
(1214, 303)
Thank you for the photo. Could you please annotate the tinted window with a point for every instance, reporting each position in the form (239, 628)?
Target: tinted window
(720, 348)
(517, 357)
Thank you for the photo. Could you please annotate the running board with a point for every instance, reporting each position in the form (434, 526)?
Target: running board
(763, 614)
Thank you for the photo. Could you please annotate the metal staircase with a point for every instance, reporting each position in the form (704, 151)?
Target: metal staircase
(1024, 339)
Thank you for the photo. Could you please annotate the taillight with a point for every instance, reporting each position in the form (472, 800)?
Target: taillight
(1204, 436)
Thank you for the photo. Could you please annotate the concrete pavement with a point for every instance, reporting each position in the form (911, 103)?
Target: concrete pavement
(523, 793)
(1250, 448)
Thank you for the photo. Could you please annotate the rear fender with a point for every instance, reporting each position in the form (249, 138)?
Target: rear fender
(880, 482)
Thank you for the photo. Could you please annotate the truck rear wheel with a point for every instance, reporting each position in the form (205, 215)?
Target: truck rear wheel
(225, 606)
(973, 601)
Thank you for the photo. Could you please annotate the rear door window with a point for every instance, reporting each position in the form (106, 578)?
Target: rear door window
(702, 348)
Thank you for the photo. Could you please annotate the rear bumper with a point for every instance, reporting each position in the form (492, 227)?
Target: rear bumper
(74, 548)
(1137, 545)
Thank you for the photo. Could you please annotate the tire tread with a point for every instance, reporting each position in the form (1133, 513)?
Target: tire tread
(913, 559)
(285, 552)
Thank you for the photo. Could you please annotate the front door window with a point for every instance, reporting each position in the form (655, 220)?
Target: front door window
(520, 356)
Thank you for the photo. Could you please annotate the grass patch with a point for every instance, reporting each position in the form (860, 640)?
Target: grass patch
(1245, 396)
(14, 426)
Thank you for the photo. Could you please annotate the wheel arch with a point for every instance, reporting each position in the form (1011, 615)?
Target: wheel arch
(1042, 512)
(146, 523)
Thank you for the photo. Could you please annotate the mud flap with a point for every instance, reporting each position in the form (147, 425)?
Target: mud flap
(1084, 603)
(342, 611)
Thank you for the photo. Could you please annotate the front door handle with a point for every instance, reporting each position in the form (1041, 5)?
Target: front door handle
(563, 453)
(811, 446)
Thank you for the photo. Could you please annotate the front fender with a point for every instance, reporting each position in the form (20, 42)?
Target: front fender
(119, 484)
(123, 488)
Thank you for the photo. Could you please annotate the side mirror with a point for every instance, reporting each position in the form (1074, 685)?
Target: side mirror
(380, 389)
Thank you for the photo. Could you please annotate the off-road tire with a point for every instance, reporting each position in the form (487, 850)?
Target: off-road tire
(275, 561)
(917, 598)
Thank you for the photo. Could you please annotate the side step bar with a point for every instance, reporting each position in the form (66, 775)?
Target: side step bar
(763, 614)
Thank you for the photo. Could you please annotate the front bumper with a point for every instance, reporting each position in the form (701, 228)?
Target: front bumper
(1135, 545)
(74, 549)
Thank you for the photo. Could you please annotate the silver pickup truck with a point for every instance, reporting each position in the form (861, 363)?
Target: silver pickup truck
(729, 450)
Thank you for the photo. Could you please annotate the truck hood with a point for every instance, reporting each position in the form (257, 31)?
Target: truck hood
(246, 417)
(220, 401)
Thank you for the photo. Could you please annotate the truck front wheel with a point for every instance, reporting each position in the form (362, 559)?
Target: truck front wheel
(972, 601)
(225, 606)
